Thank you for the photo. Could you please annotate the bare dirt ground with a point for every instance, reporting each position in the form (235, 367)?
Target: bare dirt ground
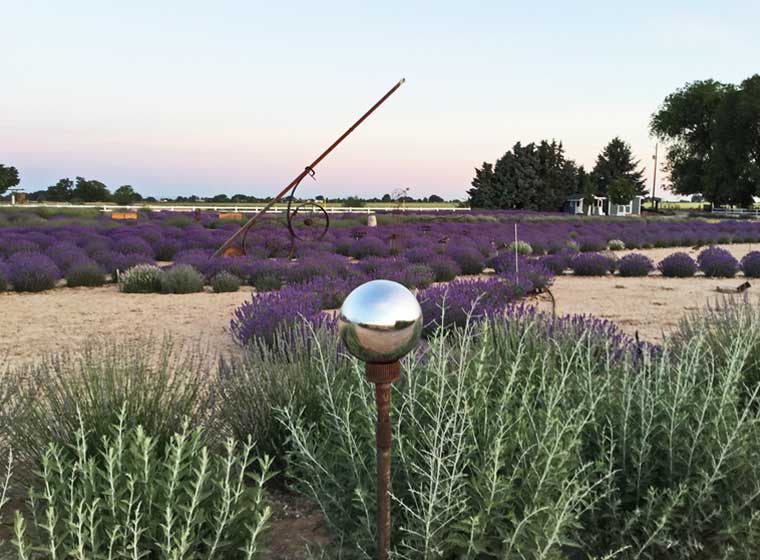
(64, 318)
(651, 305)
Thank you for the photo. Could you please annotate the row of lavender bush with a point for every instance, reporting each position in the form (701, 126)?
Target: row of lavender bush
(713, 262)
(58, 249)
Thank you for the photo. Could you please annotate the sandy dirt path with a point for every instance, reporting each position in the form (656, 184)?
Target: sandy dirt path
(65, 318)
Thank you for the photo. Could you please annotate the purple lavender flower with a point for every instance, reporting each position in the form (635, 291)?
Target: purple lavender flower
(369, 247)
(677, 265)
(452, 304)
(751, 264)
(717, 262)
(635, 264)
(592, 264)
(444, 268)
(13, 245)
(134, 245)
(469, 259)
(32, 272)
(270, 317)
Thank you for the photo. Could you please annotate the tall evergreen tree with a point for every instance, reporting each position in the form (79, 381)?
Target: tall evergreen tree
(616, 161)
(527, 177)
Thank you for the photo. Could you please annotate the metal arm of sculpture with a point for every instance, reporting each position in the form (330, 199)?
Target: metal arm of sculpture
(308, 170)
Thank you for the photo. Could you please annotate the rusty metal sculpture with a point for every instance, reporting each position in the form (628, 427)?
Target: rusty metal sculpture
(380, 322)
(229, 248)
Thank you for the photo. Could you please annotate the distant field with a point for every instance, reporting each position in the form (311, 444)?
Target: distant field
(667, 205)
(408, 205)
(330, 205)
(672, 205)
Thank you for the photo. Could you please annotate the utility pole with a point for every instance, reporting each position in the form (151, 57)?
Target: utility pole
(654, 175)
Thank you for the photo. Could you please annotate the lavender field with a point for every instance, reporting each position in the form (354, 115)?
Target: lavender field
(630, 449)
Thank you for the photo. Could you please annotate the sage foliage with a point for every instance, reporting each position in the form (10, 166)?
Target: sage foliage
(509, 443)
(126, 498)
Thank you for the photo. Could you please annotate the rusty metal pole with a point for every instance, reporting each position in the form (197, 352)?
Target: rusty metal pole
(380, 322)
(382, 375)
(307, 171)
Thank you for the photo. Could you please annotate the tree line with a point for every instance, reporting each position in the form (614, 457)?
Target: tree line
(712, 136)
(83, 190)
(540, 177)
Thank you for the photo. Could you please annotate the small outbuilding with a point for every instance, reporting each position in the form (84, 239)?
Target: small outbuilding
(574, 205)
(602, 207)
(632, 208)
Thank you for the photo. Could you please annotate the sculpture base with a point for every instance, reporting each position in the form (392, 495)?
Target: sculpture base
(383, 373)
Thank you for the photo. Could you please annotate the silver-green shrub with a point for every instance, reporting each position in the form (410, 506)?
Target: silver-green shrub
(522, 247)
(615, 245)
(225, 281)
(159, 384)
(9, 404)
(124, 497)
(509, 443)
(287, 372)
(140, 279)
(182, 279)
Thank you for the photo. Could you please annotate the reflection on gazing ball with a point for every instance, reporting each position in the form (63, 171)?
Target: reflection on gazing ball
(380, 321)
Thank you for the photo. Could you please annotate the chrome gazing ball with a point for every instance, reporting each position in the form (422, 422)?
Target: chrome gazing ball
(380, 321)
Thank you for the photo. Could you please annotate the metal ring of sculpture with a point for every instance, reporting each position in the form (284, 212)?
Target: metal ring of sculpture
(307, 221)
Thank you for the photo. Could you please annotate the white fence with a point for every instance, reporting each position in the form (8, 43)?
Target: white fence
(239, 208)
(737, 212)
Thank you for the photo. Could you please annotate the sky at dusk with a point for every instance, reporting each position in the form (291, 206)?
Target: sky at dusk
(237, 97)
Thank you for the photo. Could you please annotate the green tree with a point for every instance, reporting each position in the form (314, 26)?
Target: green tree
(8, 178)
(90, 191)
(530, 177)
(386, 198)
(126, 195)
(713, 135)
(354, 202)
(483, 191)
(435, 198)
(220, 198)
(734, 168)
(621, 191)
(61, 191)
(616, 160)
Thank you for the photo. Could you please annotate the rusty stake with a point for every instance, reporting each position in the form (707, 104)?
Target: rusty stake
(382, 375)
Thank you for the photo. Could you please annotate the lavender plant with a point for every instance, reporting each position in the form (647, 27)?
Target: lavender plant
(85, 273)
(717, 262)
(750, 264)
(469, 259)
(268, 315)
(271, 375)
(635, 264)
(591, 264)
(444, 268)
(32, 272)
(677, 265)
